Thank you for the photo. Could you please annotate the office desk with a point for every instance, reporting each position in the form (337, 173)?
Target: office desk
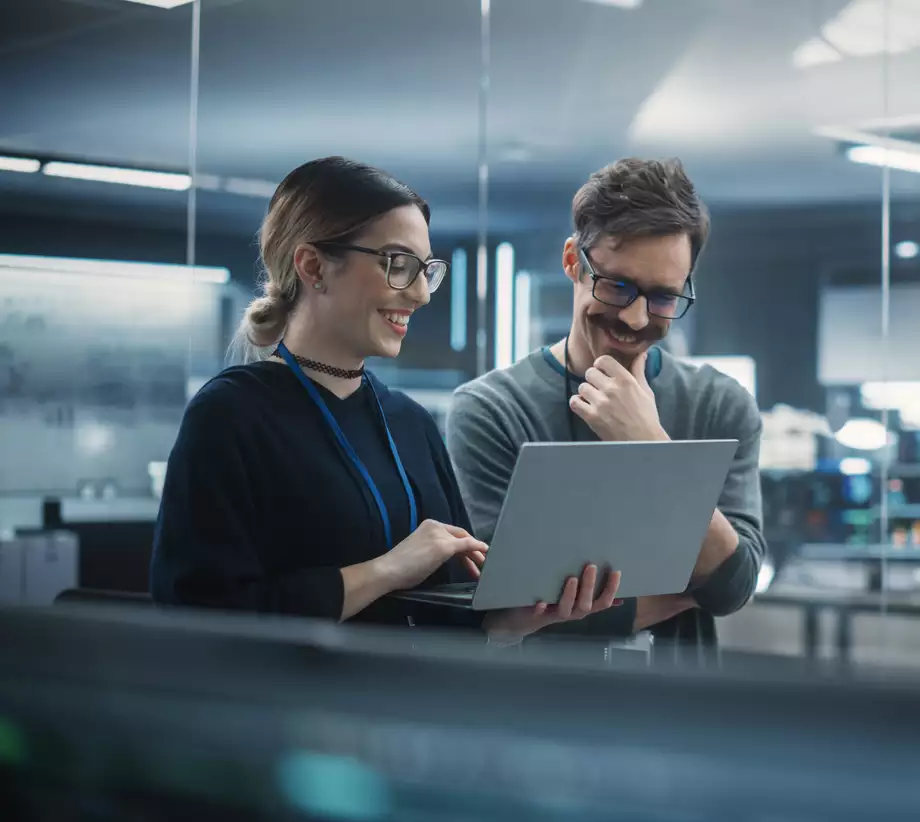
(845, 605)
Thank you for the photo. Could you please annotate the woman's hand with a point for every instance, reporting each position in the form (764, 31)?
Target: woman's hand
(425, 550)
(577, 602)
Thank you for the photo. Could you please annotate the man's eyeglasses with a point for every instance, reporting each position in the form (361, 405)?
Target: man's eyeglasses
(620, 293)
(402, 268)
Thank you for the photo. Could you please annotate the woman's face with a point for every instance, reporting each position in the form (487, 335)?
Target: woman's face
(367, 316)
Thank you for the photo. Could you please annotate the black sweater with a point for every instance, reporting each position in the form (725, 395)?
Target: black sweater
(261, 508)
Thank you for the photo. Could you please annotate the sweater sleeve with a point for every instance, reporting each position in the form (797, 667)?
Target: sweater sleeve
(484, 455)
(207, 540)
(733, 583)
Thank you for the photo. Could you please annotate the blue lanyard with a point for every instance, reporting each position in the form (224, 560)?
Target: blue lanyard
(350, 452)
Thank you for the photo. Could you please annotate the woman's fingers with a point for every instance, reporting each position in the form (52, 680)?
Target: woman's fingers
(473, 561)
(471, 567)
(467, 545)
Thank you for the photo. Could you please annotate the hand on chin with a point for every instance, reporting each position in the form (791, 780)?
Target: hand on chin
(617, 402)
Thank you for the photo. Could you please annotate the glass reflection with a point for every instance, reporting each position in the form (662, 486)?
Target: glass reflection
(95, 303)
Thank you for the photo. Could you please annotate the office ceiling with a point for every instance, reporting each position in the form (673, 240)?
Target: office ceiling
(573, 85)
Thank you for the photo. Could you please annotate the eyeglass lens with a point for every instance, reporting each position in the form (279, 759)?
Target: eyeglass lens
(404, 268)
(621, 294)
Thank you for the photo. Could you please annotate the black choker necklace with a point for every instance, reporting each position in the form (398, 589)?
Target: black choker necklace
(331, 370)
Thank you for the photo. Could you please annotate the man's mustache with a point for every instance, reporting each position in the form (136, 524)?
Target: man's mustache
(651, 333)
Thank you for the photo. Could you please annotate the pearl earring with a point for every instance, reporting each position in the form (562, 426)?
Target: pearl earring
(318, 286)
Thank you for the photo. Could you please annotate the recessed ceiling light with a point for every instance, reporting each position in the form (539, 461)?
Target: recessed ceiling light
(161, 4)
(855, 466)
(907, 249)
(863, 435)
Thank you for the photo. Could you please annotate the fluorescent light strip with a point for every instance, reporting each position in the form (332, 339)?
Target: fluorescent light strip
(521, 315)
(250, 188)
(482, 272)
(121, 176)
(879, 156)
(504, 305)
(458, 289)
(21, 164)
(114, 268)
(620, 4)
(161, 4)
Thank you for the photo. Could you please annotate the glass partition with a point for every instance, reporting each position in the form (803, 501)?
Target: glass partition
(394, 85)
(94, 311)
(772, 108)
(891, 140)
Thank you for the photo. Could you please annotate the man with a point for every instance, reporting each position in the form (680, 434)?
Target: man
(639, 230)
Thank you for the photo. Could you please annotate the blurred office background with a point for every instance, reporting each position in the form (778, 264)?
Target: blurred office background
(139, 146)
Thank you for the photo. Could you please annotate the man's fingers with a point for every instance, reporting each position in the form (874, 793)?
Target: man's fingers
(585, 601)
(597, 378)
(591, 394)
(567, 600)
(581, 407)
(608, 596)
(638, 368)
(608, 366)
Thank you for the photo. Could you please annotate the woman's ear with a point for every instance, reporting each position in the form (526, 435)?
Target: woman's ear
(570, 262)
(308, 265)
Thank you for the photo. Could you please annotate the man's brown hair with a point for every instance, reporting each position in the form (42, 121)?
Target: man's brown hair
(640, 198)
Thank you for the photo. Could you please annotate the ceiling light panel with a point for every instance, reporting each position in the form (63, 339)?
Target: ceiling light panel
(161, 4)
(21, 164)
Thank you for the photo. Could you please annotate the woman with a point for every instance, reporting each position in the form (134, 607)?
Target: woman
(298, 483)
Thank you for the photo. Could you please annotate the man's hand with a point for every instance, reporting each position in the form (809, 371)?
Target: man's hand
(577, 602)
(618, 404)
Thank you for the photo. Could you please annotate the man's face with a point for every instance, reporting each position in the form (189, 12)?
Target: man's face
(657, 266)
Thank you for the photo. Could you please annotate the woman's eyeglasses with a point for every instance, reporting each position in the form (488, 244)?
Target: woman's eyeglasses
(402, 268)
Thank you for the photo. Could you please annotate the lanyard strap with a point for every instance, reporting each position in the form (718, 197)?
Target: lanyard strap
(346, 446)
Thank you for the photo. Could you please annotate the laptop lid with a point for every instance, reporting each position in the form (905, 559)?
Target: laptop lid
(641, 508)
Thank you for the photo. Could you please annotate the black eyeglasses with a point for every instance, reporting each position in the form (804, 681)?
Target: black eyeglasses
(620, 293)
(402, 268)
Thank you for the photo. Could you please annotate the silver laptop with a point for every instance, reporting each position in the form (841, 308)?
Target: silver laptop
(641, 508)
